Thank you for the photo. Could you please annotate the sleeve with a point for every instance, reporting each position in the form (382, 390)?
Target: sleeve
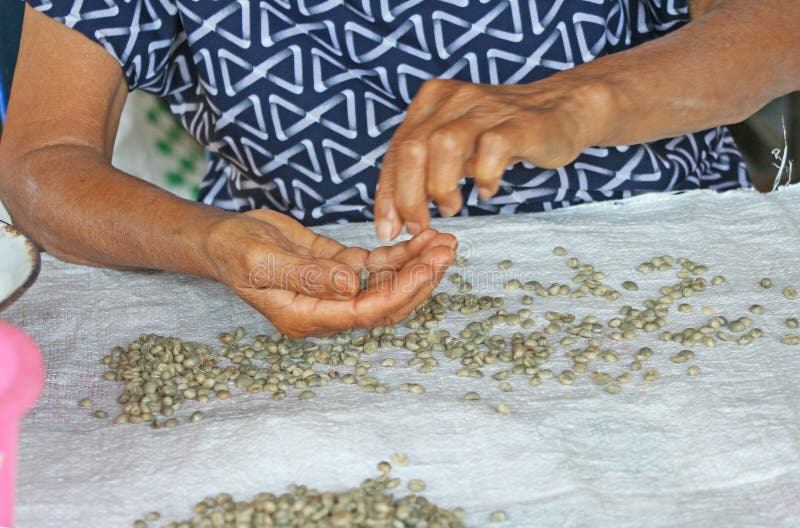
(142, 35)
(659, 16)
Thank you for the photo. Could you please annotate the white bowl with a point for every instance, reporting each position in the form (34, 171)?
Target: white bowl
(19, 264)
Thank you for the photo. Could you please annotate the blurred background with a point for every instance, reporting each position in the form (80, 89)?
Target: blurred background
(152, 145)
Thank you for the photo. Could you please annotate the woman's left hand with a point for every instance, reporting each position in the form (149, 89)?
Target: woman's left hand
(456, 130)
(308, 284)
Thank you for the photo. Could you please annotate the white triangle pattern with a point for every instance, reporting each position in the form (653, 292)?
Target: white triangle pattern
(297, 100)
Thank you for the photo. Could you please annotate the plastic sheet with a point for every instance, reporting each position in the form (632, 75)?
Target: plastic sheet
(721, 449)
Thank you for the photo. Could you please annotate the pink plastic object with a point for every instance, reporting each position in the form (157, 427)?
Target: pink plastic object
(21, 381)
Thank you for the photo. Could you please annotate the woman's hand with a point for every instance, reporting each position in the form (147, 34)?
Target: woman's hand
(456, 130)
(307, 284)
(679, 83)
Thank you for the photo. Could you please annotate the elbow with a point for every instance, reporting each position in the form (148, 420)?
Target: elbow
(31, 198)
(16, 190)
(20, 194)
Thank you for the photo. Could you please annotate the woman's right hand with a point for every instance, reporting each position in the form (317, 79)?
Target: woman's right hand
(308, 284)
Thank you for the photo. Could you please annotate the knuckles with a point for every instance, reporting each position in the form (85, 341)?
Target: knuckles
(445, 92)
(493, 142)
(444, 192)
(447, 140)
(412, 150)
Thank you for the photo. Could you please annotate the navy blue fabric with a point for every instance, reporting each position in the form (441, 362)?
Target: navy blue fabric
(297, 99)
(10, 27)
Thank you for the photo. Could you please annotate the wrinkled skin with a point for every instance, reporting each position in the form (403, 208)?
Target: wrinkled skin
(307, 284)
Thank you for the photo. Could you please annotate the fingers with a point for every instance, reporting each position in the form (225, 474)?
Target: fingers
(394, 257)
(386, 257)
(470, 130)
(401, 197)
(426, 165)
(387, 221)
(450, 147)
(410, 198)
(542, 142)
(403, 312)
(492, 155)
(432, 165)
(384, 262)
(384, 267)
(414, 282)
(300, 315)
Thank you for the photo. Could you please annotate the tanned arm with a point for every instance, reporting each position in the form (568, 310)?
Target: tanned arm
(56, 176)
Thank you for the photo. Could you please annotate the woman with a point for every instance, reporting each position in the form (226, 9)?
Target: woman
(305, 105)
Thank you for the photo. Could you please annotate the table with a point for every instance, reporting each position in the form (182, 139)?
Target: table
(720, 449)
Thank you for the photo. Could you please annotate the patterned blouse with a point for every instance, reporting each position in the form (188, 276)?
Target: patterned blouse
(296, 100)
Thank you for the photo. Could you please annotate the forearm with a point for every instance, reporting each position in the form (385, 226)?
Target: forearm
(76, 206)
(56, 177)
(734, 57)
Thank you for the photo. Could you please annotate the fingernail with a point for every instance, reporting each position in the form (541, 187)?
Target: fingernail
(484, 193)
(384, 230)
(413, 227)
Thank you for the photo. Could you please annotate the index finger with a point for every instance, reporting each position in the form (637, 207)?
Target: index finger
(410, 191)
